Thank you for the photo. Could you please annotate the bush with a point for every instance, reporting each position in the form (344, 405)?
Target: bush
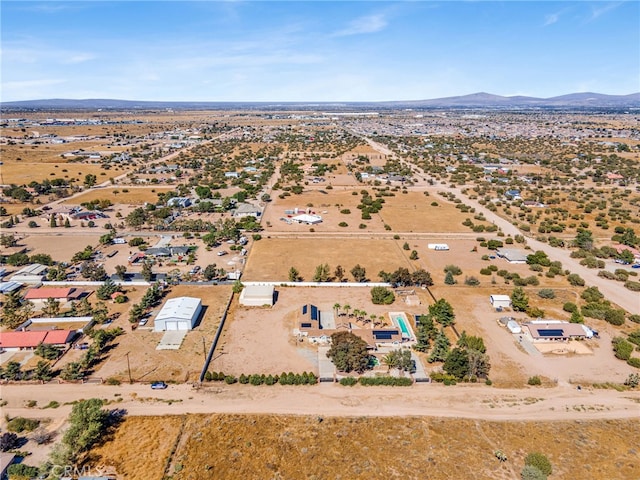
(21, 470)
(441, 377)
(529, 472)
(540, 461)
(576, 280)
(546, 293)
(635, 318)
(230, 379)
(570, 307)
(633, 286)
(471, 281)
(634, 362)
(387, 381)
(621, 348)
(21, 424)
(9, 441)
(348, 381)
(535, 380)
(382, 296)
(535, 312)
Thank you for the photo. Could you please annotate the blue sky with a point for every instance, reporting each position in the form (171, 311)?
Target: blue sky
(316, 51)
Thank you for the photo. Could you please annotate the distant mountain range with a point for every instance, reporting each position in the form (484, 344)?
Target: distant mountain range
(475, 100)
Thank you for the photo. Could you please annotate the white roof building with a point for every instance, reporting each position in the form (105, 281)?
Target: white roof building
(308, 219)
(180, 313)
(257, 295)
(500, 301)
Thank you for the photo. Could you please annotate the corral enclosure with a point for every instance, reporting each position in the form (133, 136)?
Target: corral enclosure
(273, 446)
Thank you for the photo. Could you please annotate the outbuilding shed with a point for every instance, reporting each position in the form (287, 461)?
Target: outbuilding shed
(500, 301)
(180, 313)
(257, 295)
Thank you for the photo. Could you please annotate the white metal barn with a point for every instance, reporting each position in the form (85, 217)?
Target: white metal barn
(178, 313)
(257, 295)
(500, 301)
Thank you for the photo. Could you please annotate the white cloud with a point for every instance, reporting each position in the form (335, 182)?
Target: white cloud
(367, 24)
(599, 11)
(551, 19)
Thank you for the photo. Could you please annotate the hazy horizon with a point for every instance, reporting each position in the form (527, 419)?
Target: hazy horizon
(238, 51)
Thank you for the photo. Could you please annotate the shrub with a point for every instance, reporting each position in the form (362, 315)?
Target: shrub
(471, 281)
(115, 381)
(576, 280)
(635, 318)
(634, 362)
(454, 269)
(343, 224)
(388, 381)
(348, 381)
(633, 286)
(540, 461)
(535, 312)
(21, 424)
(535, 380)
(546, 293)
(570, 307)
(382, 296)
(621, 348)
(529, 472)
(230, 379)
(8, 441)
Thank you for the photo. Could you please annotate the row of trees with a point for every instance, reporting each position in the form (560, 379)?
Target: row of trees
(401, 277)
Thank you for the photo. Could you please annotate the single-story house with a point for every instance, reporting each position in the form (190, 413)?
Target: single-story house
(31, 339)
(257, 295)
(500, 301)
(41, 295)
(557, 330)
(180, 202)
(33, 273)
(167, 251)
(512, 255)
(8, 287)
(180, 313)
(231, 174)
(246, 210)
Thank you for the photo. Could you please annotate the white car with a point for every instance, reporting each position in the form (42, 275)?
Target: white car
(222, 253)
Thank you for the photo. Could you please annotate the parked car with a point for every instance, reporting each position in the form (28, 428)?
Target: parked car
(194, 270)
(222, 252)
(143, 322)
(635, 265)
(159, 385)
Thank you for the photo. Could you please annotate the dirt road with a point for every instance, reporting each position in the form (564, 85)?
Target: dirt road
(461, 401)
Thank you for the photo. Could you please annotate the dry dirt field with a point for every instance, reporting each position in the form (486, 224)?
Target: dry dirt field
(285, 447)
(61, 246)
(271, 258)
(26, 172)
(133, 195)
(149, 364)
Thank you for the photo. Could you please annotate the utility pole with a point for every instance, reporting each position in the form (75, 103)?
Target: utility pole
(204, 348)
(129, 368)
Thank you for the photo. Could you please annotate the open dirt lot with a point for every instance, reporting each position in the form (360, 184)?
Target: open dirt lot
(149, 364)
(275, 446)
(271, 258)
(133, 195)
(26, 172)
(61, 246)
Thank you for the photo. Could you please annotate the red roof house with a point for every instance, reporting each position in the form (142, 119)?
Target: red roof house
(31, 339)
(44, 293)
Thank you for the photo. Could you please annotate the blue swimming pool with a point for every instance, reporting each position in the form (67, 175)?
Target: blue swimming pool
(403, 327)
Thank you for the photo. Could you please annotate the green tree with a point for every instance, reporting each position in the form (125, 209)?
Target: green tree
(121, 271)
(42, 371)
(359, 273)
(51, 307)
(425, 332)
(457, 363)
(576, 317)
(52, 222)
(584, 239)
(7, 240)
(442, 312)
(87, 424)
(237, 286)
(294, 275)
(67, 223)
(414, 255)
(448, 279)
(48, 352)
(147, 271)
(107, 289)
(348, 352)
(440, 348)
(421, 277)
(72, 371)
(210, 272)
(519, 300)
(453, 269)
(12, 371)
(322, 274)
(382, 296)
(339, 273)
(90, 180)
